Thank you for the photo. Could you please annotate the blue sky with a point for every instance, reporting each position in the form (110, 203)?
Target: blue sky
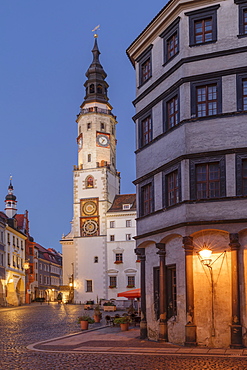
(45, 51)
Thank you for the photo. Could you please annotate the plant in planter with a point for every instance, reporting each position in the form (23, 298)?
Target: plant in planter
(123, 322)
(109, 306)
(97, 314)
(84, 320)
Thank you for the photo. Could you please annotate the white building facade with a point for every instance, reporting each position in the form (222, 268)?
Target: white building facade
(96, 183)
(191, 103)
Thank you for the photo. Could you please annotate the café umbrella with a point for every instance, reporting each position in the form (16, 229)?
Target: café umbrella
(132, 294)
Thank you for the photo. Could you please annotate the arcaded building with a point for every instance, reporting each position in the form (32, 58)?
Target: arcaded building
(191, 177)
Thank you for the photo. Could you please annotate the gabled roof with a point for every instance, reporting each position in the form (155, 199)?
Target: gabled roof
(120, 200)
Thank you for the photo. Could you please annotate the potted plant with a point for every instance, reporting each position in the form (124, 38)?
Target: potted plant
(84, 320)
(97, 314)
(123, 322)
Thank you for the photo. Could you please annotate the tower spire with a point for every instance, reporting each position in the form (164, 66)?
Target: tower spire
(10, 201)
(96, 86)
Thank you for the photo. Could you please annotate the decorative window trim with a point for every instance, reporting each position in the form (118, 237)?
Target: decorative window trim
(166, 35)
(204, 160)
(170, 96)
(239, 178)
(193, 89)
(239, 81)
(176, 167)
(199, 14)
(147, 54)
(242, 6)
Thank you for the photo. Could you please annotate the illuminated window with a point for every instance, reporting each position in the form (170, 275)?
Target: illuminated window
(90, 182)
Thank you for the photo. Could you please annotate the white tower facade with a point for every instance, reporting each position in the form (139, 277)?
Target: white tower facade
(96, 182)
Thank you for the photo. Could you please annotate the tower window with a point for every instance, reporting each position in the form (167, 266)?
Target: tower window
(91, 89)
(89, 126)
(96, 259)
(102, 127)
(99, 89)
(90, 182)
(89, 158)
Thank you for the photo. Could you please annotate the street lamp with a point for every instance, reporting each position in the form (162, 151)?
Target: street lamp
(205, 254)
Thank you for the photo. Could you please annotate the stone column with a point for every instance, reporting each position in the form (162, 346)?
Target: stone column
(140, 252)
(190, 327)
(162, 293)
(236, 327)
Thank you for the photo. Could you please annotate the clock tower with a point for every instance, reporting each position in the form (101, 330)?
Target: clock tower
(96, 183)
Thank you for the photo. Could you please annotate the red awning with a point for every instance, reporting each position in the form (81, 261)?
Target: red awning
(134, 293)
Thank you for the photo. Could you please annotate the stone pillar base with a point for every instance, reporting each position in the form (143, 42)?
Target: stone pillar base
(236, 336)
(163, 331)
(143, 330)
(190, 335)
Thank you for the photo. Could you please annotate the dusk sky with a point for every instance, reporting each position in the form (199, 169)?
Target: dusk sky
(45, 51)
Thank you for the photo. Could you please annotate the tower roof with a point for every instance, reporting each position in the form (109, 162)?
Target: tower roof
(96, 86)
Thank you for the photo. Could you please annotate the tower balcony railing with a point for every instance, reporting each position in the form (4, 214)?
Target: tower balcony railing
(96, 110)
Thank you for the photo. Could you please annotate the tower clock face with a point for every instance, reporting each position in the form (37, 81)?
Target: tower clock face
(102, 140)
(90, 227)
(89, 208)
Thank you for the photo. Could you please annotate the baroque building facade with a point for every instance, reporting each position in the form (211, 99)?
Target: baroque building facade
(96, 184)
(191, 155)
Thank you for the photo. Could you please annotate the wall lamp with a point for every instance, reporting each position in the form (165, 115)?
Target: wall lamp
(205, 254)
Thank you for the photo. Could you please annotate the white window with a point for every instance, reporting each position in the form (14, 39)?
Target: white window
(128, 223)
(112, 224)
(126, 206)
(131, 282)
(113, 282)
(128, 236)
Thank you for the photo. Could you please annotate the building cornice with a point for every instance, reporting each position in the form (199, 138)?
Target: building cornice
(161, 21)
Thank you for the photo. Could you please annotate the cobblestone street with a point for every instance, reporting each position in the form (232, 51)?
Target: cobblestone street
(20, 327)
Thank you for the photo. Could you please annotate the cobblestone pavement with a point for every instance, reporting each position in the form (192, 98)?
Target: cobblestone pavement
(20, 327)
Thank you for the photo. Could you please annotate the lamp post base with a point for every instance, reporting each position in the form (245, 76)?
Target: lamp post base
(190, 335)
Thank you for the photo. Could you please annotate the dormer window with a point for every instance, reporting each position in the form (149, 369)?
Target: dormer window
(126, 206)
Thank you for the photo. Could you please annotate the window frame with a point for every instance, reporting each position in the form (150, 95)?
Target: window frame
(165, 175)
(239, 178)
(167, 35)
(242, 8)
(112, 238)
(112, 224)
(205, 160)
(202, 14)
(141, 60)
(131, 281)
(208, 182)
(195, 85)
(239, 81)
(128, 223)
(89, 284)
(168, 98)
(128, 237)
(118, 257)
(147, 116)
(151, 202)
(113, 281)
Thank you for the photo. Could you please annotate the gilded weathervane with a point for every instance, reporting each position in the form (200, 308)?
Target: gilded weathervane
(95, 30)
